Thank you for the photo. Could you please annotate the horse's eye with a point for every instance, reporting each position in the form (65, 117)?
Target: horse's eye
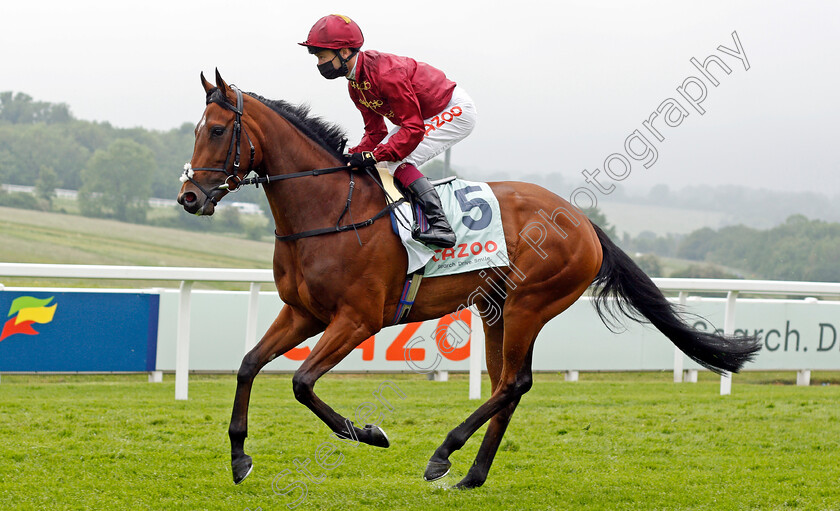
(217, 130)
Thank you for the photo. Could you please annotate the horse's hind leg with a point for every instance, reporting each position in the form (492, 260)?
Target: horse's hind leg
(489, 446)
(287, 331)
(515, 380)
(498, 424)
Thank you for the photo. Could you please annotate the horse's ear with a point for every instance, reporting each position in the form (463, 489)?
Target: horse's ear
(204, 83)
(220, 83)
(226, 91)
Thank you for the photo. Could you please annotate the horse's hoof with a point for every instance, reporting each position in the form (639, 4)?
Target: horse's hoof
(468, 483)
(242, 467)
(436, 469)
(378, 438)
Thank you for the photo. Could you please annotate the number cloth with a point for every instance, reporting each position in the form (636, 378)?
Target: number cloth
(473, 212)
(429, 111)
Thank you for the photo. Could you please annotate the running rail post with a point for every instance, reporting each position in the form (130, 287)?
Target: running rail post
(728, 329)
(678, 354)
(476, 352)
(251, 320)
(182, 350)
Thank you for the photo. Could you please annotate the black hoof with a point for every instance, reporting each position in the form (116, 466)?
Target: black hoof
(378, 438)
(436, 469)
(241, 468)
(371, 435)
(469, 482)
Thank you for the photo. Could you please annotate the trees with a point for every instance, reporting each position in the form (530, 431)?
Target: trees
(20, 108)
(600, 219)
(697, 244)
(34, 133)
(26, 147)
(703, 271)
(649, 264)
(798, 249)
(46, 184)
(117, 182)
(172, 148)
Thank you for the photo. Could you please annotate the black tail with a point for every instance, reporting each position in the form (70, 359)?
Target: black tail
(635, 296)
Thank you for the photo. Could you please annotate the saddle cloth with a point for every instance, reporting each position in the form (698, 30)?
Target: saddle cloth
(473, 212)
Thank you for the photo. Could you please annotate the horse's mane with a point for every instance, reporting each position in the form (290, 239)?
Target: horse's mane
(330, 136)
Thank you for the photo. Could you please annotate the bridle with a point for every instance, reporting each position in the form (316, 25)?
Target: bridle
(232, 179)
(216, 95)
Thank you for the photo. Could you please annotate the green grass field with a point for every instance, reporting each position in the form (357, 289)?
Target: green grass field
(611, 441)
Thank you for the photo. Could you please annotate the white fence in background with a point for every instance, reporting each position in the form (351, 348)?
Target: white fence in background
(639, 349)
(59, 192)
(246, 208)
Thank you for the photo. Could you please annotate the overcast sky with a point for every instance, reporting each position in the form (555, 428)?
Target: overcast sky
(559, 87)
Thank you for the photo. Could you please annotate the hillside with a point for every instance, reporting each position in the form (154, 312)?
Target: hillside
(633, 218)
(41, 237)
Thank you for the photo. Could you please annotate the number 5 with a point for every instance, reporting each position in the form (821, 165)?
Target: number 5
(468, 205)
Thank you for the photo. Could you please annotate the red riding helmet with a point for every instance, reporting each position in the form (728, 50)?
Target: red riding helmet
(334, 32)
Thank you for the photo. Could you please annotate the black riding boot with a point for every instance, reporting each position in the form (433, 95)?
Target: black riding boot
(439, 232)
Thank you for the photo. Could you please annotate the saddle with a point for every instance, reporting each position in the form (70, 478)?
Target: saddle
(396, 191)
(473, 211)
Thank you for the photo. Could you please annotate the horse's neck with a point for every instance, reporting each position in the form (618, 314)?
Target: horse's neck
(310, 202)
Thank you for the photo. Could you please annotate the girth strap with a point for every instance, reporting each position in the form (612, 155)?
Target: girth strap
(412, 286)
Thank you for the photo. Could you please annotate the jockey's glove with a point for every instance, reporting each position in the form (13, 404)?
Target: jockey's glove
(361, 160)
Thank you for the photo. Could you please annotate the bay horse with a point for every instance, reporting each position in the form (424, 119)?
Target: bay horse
(348, 284)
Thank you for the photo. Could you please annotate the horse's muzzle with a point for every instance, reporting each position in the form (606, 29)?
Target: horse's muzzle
(195, 204)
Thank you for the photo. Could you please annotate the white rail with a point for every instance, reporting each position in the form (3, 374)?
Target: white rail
(758, 287)
(188, 276)
(732, 287)
(90, 271)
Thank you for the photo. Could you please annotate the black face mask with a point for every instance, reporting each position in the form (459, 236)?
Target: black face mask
(329, 72)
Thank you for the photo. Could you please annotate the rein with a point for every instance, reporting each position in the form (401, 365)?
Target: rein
(217, 96)
(262, 180)
(338, 227)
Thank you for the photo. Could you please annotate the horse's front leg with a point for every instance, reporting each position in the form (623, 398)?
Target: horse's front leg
(288, 330)
(339, 339)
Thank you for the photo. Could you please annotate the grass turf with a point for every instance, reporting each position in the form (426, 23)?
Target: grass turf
(610, 441)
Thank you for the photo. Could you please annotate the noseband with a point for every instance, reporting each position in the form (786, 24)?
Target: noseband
(232, 181)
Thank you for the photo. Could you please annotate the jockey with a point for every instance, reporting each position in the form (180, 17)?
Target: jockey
(429, 111)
